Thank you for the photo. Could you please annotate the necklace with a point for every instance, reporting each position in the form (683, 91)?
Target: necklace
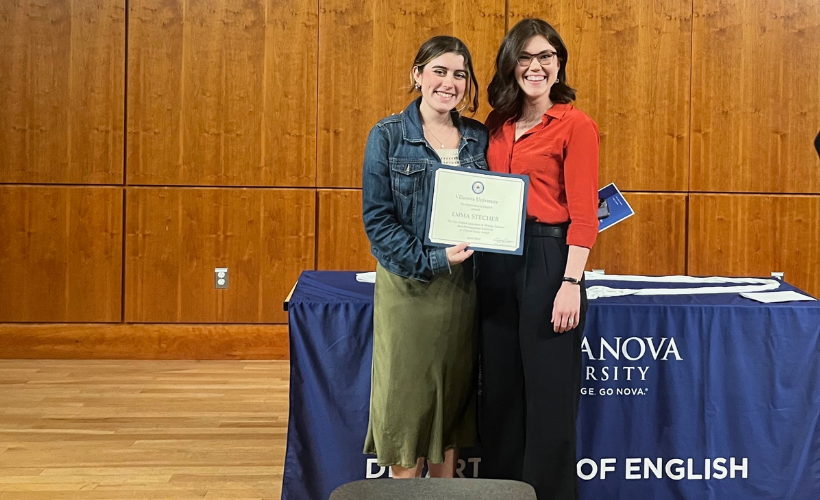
(436, 138)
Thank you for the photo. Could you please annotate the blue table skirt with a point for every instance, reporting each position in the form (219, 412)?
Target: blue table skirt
(684, 397)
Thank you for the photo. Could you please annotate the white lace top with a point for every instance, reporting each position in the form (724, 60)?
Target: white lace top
(449, 157)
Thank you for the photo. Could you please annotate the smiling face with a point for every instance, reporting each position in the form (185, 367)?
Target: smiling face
(443, 82)
(537, 77)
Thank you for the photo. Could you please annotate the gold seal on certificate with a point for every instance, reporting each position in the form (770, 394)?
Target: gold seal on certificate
(484, 209)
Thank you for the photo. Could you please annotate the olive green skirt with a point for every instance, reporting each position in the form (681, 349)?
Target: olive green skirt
(422, 399)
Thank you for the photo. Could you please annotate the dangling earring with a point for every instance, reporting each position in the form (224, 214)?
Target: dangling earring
(418, 87)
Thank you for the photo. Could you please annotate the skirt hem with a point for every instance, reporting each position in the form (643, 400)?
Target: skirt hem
(398, 462)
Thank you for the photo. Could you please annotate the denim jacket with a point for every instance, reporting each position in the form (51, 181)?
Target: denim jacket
(396, 181)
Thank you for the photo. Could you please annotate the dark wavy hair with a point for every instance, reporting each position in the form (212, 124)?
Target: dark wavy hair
(504, 94)
(439, 45)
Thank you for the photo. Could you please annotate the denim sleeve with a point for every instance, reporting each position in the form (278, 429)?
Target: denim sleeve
(389, 240)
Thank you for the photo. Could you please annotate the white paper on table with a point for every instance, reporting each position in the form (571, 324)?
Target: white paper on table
(771, 297)
(366, 277)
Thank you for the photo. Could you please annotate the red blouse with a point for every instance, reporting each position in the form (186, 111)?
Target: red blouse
(560, 155)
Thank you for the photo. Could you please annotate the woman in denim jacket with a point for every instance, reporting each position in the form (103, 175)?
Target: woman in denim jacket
(422, 402)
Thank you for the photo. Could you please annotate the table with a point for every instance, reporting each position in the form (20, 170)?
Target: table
(684, 397)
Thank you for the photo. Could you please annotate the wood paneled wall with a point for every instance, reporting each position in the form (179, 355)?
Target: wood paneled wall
(174, 238)
(145, 142)
(731, 234)
(222, 92)
(755, 96)
(61, 256)
(630, 61)
(62, 73)
(366, 49)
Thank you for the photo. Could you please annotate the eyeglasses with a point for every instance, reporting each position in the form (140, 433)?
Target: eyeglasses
(544, 58)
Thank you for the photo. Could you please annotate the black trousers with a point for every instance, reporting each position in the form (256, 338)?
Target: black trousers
(531, 376)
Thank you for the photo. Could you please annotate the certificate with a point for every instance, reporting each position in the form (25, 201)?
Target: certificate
(485, 209)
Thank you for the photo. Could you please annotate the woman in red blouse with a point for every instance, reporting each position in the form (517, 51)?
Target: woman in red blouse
(533, 306)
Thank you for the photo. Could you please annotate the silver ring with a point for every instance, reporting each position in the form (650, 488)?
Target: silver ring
(571, 321)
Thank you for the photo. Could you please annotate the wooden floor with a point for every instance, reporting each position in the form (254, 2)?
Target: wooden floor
(118, 430)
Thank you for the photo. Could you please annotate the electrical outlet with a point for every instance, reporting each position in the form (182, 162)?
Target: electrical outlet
(221, 277)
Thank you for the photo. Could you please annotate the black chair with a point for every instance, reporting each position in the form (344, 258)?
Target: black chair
(434, 489)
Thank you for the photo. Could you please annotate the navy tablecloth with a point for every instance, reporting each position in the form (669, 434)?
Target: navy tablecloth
(684, 397)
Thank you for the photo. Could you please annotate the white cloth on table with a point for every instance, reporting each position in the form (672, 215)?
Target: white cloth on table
(366, 277)
(737, 285)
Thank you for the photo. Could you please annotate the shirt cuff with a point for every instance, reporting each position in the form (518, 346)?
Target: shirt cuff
(582, 236)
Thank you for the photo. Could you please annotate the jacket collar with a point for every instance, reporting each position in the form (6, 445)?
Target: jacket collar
(413, 132)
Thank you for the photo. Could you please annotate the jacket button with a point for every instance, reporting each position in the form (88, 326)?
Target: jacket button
(407, 169)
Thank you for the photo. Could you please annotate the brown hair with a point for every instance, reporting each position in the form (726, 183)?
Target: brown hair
(439, 45)
(504, 94)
